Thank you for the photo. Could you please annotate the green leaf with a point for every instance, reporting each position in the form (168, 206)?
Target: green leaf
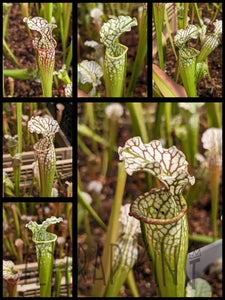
(166, 85)
(198, 287)
(158, 15)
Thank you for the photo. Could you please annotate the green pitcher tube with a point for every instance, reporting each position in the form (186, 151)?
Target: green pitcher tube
(44, 243)
(115, 61)
(115, 70)
(162, 212)
(45, 256)
(45, 151)
(165, 232)
(45, 46)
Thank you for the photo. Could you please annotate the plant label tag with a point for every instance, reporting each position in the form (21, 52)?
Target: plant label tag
(199, 259)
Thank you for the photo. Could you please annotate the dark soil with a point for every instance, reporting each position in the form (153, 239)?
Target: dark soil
(129, 39)
(19, 42)
(199, 220)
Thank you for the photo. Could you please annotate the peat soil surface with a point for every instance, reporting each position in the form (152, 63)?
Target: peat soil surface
(20, 43)
(199, 221)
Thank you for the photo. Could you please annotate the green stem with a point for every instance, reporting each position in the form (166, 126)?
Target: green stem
(158, 15)
(138, 123)
(168, 108)
(91, 211)
(88, 231)
(91, 121)
(158, 117)
(214, 186)
(213, 114)
(197, 14)
(111, 236)
(169, 32)
(19, 132)
(7, 245)
(113, 288)
(6, 12)
(132, 284)
(186, 6)
(82, 145)
(67, 9)
(48, 11)
(86, 131)
(141, 52)
(16, 220)
(113, 131)
(201, 238)
(193, 130)
(9, 53)
(58, 278)
(217, 12)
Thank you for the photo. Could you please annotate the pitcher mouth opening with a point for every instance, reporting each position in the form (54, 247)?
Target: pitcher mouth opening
(158, 221)
(51, 238)
(119, 56)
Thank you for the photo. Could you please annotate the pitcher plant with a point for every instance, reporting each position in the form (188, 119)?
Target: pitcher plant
(45, 151)
(44, 243)
(45, 45)
(162, 211)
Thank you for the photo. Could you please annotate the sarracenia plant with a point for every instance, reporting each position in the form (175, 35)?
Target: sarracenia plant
(44, 242)
(11, 275)
(212, 142)
(45, 151)
(162, 212)
(45, 46)
(126, 252)
(115, 60)
(12, 145)
(192, 63)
